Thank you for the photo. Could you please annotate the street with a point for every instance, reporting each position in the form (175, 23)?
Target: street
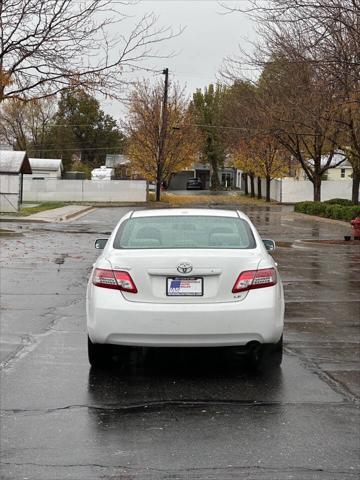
(176, 414)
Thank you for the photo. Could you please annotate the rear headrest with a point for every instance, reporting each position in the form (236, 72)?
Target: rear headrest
(149, 232)
(224, 240)
(183, 226)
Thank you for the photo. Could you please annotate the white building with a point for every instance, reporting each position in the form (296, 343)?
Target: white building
(342, 171)
(46, 168)
(13, 165)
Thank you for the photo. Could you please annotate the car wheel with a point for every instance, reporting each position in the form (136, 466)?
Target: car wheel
(267, 357)
(99, 354)
(275, 354)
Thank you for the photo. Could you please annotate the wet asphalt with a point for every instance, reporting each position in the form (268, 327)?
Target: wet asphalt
(177, 414)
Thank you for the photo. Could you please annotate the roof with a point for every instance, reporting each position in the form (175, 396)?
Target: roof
(14, 162)
(204, 212)
(51, 164)
(338, 157)
(339, 160)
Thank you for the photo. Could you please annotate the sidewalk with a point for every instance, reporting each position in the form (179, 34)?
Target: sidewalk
(56, 215)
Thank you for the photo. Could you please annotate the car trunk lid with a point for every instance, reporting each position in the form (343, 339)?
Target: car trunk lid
(153, 272)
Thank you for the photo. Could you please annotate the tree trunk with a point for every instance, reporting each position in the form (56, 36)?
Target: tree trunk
(158, 191)
(268, 186)
(252, 185)
(215, 183)
(317, 188)
(259, 188)
(158, 184)
(246, 185)
(355, 187)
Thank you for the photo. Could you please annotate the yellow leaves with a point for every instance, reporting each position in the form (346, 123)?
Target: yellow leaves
(5, 79)
(261, 155)
(143, 128)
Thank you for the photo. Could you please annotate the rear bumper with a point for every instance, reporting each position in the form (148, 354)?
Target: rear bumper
(113, 320)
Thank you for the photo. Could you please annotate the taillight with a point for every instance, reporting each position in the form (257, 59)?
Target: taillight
(255, 279)
(115, 279)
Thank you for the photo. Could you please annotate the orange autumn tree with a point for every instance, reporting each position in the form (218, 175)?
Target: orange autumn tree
(243, 158)
(270, 160)
(143, 128)
(261, 155)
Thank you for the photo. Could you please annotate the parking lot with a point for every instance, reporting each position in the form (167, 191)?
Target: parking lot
(194, 414)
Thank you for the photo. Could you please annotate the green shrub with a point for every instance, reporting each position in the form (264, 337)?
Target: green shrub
(339, 201)
(329, 210)
(353, 212)
(337, 212)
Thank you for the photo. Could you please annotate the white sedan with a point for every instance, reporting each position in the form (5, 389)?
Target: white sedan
(185, 278)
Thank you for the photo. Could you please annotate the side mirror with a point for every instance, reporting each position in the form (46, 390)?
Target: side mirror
(100, 243)
(269, 244)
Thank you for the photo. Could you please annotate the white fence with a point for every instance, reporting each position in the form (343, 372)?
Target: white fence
(289, 190)
(55, 190)
(9, 193)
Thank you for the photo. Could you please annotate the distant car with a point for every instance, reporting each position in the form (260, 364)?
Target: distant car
(194, 184)
(185, 278)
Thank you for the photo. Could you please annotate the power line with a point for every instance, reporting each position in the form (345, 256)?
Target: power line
(74, 149)
(186, 125)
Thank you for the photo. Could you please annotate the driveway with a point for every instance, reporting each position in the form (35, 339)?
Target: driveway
(184, 414)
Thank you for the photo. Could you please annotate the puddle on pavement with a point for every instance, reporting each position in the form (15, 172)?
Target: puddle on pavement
(284, 244)
(61, 260)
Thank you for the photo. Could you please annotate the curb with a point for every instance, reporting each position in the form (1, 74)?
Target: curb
(21, 220)
(305, 216)
(55, 219)
(77, 214)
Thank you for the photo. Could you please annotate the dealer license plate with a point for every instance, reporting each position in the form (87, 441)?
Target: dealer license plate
(192, 287)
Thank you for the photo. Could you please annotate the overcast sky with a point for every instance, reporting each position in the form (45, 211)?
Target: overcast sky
(208, 37)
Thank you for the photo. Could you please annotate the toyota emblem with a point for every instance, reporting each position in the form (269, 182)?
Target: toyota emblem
(184, 267)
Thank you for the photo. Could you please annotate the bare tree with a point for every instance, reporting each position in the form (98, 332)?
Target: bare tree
(302, 114)
(48, 45)
(326, 35)
(24, 125)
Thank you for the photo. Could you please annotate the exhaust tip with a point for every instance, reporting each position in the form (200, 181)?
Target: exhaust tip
(253, 346)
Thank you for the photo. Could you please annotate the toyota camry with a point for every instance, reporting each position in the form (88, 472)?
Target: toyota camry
(185, 278)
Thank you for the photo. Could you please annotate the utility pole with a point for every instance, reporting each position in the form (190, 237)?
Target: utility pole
(162, 134)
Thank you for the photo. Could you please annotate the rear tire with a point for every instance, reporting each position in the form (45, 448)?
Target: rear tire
(99, 355)
(267, 357)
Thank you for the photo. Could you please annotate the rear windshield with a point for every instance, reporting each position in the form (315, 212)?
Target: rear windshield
(184, 232)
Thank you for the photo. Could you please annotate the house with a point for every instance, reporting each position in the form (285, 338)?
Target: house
(229, 177)
(342, 171)
(46, 168)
